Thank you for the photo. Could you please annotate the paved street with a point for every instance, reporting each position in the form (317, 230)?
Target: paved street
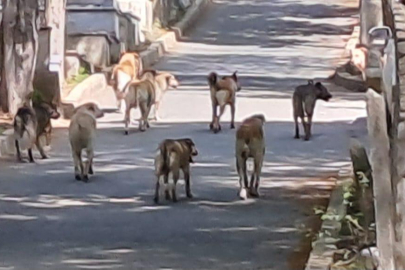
(50, 221)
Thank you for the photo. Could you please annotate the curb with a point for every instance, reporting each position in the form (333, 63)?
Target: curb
(321, 256)
(158, 48)
(345, 74)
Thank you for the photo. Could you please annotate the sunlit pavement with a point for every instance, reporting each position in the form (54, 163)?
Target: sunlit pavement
(50, 221)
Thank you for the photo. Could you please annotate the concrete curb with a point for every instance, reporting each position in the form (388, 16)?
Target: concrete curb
(321, 256)
(342, 75)
(158, 48)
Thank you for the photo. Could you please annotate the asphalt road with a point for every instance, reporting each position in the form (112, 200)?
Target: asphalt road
(50, 221)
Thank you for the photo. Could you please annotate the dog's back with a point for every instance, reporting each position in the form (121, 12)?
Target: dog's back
(172, 155)
(82, 130)
(250, 137)
(83, 126)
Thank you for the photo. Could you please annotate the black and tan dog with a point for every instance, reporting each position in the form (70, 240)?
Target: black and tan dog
(30, 124)
(304, 101)
(250, 143)
(173, 156)
(223, 92)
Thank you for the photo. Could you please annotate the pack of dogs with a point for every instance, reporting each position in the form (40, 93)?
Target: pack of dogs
(145, 89)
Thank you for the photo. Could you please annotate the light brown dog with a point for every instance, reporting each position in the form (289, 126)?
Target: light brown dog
(163, 81)
(129, 68)
(171, 157)
(223, 92)
(142, 93)
(250, 143)
(82, 132)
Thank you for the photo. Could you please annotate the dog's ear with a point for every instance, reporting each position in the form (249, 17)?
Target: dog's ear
(212, 78)
(235, 76)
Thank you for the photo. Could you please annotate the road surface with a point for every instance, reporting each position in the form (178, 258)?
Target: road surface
(50, 221)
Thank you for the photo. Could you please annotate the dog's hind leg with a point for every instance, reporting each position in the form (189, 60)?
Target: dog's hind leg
(31, 157)
(233, 109)
(17, 148)
(40, 148)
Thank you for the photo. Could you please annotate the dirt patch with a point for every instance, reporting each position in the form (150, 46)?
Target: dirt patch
(312, 193)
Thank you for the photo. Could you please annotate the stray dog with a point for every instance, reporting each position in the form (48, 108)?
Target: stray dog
(141, 93)
(163, 81)
(82, 131)
(304, 100)
(44, 113)
(25, 131)
(173, 156)
(223, 92)
(30, 124)
(128, 69)
(250, 143)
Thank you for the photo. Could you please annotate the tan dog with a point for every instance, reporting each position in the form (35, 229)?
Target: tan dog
(163, 81)
(250, 143)
(82, 132)
(223, 92)
(173, 156)
(129, 68)
(140, 93)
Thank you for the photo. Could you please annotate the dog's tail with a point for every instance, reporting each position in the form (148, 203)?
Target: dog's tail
(212, 79)
(164, 157)
(246, 151)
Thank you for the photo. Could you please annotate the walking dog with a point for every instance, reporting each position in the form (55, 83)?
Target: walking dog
(163, 81)
(141, 93)
(250, 143)
(304, 100)
(30, 124)
(82, 131)
(223, 92)
(171, 157)
(129, 68)
(146, 93)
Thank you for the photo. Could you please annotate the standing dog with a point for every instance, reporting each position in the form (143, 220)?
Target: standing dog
(129, 68)
(25, 131)
(141, 93)
(82, 131)
(30, 124)
(304, 100)
(44, 113)
(250, 143)
(223, 92)
(173, 156)
(163, 81)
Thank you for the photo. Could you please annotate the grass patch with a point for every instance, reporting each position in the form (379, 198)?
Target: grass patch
(83, 74)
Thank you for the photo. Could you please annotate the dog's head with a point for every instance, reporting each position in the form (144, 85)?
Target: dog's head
(91, 108)
(51, 110)
(322, 92)
(193, 150)
(172, 82)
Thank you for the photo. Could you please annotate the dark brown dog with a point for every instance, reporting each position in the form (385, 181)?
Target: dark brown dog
(304, 100)
(30, 124)
(173, 156)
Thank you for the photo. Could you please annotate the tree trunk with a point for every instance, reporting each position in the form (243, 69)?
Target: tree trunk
(20, 47)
